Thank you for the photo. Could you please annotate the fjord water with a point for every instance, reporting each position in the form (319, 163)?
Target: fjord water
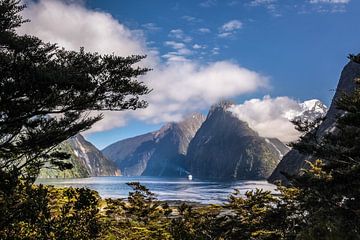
(169, 189)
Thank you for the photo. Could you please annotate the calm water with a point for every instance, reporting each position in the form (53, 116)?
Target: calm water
(164, 188)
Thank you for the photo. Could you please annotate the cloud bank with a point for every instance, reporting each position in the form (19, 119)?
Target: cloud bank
(72, 26)
(270, 117)
(179, 87)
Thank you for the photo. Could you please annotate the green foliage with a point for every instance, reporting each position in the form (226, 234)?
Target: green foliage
(140, 217)
(330, 189)
(196, 223)
(47, 93)
(39, 212)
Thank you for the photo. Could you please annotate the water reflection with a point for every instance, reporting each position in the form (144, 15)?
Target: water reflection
(164, 188)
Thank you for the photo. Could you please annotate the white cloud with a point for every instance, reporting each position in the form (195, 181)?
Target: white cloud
(233, 3)
(179, 34)
(215, 51)
(325, 6)
(225, 34)
(179, 53)
(230, 28)
(175, 45)
(198, 46)
(179, 85)
(204, 30)
(73, 26)
(270, 5)
(208, 3)
(330, 1)
(182, 87)
(261, 2)
(191, 19)
(174, 57)
(152, 27)
(270, 117)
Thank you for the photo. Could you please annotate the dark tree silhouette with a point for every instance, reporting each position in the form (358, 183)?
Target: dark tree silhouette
(331, 187)
(47, 93)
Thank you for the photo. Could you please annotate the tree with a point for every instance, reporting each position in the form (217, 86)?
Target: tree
(330, 189)
(141, 217)
(47, 93)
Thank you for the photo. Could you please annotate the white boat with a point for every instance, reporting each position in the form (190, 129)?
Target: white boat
(190, 177)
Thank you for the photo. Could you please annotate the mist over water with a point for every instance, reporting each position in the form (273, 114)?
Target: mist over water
(170, 189)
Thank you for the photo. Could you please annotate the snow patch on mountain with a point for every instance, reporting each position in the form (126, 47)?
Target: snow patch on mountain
(309, 110)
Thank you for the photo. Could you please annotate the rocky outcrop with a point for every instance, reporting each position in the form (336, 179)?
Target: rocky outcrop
(86, 159)
(226, 148)
(159, 153)
(293, 161)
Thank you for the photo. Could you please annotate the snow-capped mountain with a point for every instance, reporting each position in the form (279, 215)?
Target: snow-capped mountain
(309, 110)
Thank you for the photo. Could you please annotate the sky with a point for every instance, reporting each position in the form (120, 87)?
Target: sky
(275, 52)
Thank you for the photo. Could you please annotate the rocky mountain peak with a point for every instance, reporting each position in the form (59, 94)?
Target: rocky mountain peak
(159, 153)
(222, 105)
(225, 147)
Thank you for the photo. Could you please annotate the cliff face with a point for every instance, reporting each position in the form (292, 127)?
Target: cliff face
(171, 148)
(160, 153)
(132, 155)
(226, 148)
(92, 158)
(86, 159)
(293, 161)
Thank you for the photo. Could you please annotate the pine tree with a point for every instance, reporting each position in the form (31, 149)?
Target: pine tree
(46, 96)
(330, 189)
(47, 93)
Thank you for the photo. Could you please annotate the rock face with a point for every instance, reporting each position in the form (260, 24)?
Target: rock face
(293, 161)
(131, 155)
(226, 148)
(159, 153)
(92, 158)
(87, 161)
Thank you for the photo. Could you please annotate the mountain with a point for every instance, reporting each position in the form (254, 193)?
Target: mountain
(131, 155)
(227, 148)
(159, 153)
(293, 161)
(86, 159)
(310, 110)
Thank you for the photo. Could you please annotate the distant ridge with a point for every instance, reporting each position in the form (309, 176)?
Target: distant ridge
(159, 153)
(86, 159)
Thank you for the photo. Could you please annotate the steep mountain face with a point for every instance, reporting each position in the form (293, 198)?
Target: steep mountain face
(87, 161)
(93, 159)
(160, 153)
(226, 148)
(293, 161)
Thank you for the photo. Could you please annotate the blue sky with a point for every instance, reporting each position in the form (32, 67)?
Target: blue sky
(276, 47)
